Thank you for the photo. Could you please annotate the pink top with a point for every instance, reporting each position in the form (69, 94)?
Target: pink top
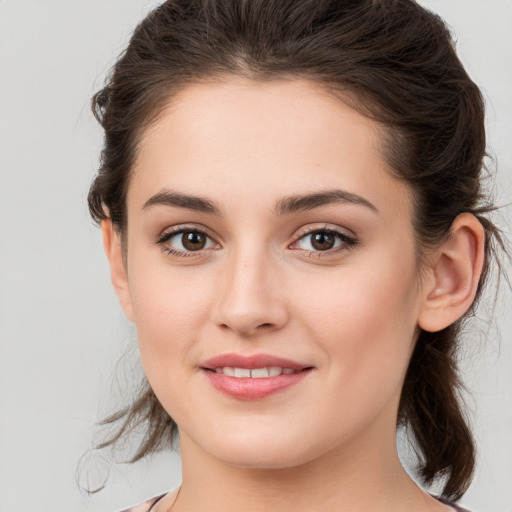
(146, 506)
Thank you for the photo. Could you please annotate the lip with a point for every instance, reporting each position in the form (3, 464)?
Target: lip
(251, 362)
(252, 388)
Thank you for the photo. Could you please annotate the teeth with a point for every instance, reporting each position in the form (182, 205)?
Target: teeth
(259, 373)
(255, 373)
(242, 372)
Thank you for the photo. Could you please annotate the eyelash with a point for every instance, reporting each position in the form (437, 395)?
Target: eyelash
(346, 242)
(168, 235)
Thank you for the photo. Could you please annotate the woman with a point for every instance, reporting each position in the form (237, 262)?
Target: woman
(291, 207)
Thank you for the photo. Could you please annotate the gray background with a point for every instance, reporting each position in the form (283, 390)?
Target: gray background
(61, 330)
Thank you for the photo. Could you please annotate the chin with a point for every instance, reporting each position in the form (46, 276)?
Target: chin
(264, 450)
(262, 461)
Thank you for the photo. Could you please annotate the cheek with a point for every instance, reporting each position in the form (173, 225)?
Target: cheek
(169, 306)
(365, 319)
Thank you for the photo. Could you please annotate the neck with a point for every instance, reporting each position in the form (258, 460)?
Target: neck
(362, 476)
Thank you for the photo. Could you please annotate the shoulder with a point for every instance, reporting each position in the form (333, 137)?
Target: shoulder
(145, 506)
(454, 506)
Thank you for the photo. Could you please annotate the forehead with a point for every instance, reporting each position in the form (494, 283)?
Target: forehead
(245, 139)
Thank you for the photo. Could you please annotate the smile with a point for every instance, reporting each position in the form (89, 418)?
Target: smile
(255, 373)
(253, 377)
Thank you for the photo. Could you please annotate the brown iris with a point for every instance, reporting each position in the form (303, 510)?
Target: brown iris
(322, 240)
(193, 240)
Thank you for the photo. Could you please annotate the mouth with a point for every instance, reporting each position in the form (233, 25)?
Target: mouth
(254, 373)
(253, 377)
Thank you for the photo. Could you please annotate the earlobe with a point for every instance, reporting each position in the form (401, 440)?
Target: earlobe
(118, 272)
(454, 274)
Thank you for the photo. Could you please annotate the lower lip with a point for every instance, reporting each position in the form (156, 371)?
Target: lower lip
(253, 389)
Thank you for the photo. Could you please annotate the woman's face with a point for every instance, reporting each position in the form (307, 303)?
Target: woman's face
(264, 224)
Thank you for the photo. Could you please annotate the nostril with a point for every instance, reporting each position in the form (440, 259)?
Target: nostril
(244, 330)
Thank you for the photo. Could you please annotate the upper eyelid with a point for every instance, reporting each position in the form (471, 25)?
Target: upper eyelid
(180, 228)
(324, 227)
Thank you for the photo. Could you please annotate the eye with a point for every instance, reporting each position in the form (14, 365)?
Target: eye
(324, 240)
(183, 241)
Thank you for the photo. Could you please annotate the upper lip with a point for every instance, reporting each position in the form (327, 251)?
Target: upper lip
(250, 362)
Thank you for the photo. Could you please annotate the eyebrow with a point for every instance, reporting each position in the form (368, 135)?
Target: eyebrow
(194, 203)
(286, 205)
(293, 204)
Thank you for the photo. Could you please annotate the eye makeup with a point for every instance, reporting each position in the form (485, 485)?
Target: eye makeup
(191, 240)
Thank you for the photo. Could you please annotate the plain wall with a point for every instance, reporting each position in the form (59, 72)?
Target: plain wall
(61, 329)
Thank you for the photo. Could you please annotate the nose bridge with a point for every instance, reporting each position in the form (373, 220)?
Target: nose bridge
(249, 298)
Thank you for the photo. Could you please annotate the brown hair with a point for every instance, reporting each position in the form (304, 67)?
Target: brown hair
(396, 63)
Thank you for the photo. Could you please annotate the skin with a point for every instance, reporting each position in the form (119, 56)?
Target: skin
(352, 312)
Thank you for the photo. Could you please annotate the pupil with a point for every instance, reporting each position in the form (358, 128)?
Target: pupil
(323, 241)
(193, 241)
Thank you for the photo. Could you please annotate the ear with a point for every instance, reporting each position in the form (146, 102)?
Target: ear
(113, 250)
(453, 275)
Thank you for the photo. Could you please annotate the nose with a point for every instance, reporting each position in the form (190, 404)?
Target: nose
(250, 298)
